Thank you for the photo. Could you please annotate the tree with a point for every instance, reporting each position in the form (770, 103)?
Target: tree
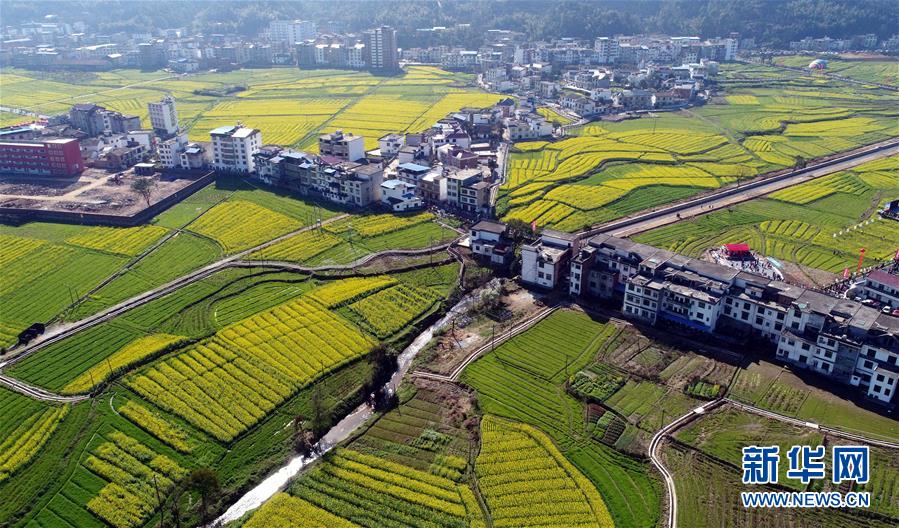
(383, 361)
(206, 482)
(303, 437)
(144, 187)
(320, 418)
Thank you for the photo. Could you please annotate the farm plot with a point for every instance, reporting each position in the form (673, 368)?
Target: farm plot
(134, 352)
(195, 311)
(819, 224)
(771, 387)
(154, 424)
(553, 116)
(288, 106)
(349, 239)
(374, 492)
(565, 339)
(285, 511)
(523, 395)
(239, 224)
(227, 383)
(343, 291)
(724, 433)
(527, 482)
(27, 426)
(879, 71)
(34, 268)
(708, 492)
(801, 120)
(391, 309)
(123, 241)
(133, 471)
(426, 433)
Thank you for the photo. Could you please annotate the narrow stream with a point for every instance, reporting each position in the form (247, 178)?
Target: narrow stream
(344, 428)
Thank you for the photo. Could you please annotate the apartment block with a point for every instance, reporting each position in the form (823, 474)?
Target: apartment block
(54, 157)
(380, 49)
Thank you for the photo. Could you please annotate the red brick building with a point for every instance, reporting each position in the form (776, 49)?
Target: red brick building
(53, 157)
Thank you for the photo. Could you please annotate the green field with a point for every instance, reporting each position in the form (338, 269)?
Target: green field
(522, 380)
(289, 106)
(877, 71)
(774, 388)
(609, 170)
(349, 239)
(709, 496)
(820, 224)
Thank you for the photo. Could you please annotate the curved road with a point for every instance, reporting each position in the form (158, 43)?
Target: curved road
(659, 437)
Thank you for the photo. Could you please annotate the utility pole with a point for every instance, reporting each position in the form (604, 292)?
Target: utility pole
(159, 501)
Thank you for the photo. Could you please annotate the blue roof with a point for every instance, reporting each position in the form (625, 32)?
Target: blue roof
(223, 129)
(414, 167)
(17, 130)
(391, 184)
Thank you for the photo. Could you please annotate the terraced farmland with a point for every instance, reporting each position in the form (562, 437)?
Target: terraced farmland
(522, 380)
(257, 359)
(229, 382)
(373, 492)
(819, 224)
(609, 170)
(527, 482)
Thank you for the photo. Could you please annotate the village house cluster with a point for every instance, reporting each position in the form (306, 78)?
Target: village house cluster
(846, 340)
(452, 165)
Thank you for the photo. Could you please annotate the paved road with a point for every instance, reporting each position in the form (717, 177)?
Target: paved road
(659, 437)
(657, 462)
(729, 196)
(36, 392)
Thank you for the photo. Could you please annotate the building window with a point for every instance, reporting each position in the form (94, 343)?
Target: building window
(880, 377)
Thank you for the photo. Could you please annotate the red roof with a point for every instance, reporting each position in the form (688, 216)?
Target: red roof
(737, 248)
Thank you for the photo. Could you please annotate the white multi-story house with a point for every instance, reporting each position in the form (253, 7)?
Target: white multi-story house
(882, 287)
(400, 196)
(542, 263)
(488, 239)
(233, 148)
(345, 146)
(164, 117)
(391, 144)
